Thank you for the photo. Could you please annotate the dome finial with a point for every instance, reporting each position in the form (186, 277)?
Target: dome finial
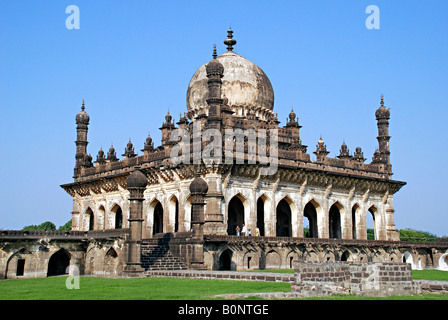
(230, 42)
(214, 52)
(83, 106)
(382, 100)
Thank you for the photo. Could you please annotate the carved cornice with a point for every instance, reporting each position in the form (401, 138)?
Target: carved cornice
(299, 177)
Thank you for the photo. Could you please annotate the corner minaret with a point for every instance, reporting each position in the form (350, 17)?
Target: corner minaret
(82, 122)
(382, 116)
(215, 72)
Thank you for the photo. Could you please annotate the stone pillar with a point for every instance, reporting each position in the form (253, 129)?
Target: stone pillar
(214, 219)
(136, 185)
(391, 233)
(198, 189)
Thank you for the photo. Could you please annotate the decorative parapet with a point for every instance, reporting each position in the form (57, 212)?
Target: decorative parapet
(324, 241)
(62, 235)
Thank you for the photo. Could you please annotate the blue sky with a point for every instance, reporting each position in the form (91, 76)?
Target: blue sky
(132, 61)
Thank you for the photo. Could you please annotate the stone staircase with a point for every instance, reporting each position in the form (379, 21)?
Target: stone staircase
(157, 256)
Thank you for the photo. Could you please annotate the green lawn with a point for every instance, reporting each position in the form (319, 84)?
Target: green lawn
(92, 288)
(430, 275)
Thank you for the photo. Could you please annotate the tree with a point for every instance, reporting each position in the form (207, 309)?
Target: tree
(67, 226)
(370, 234)
(409, 234)
(45, 226)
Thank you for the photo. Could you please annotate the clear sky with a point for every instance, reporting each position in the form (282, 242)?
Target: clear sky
(132, 61)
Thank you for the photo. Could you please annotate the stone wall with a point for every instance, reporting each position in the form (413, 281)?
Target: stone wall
(370, 279)
(31, 254)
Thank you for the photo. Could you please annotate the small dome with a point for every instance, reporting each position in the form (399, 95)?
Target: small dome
(137, 180)
(198, 185)
(214, 67)
(382, 112)
(82, 116)
(292, 115)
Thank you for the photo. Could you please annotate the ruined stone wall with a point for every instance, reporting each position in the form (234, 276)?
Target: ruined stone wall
(371, 279)
(248, 253)
(31, 254)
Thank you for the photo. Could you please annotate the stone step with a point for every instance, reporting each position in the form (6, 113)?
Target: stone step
(158, 257)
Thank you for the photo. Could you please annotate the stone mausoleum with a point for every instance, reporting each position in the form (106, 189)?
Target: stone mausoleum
(150, 211)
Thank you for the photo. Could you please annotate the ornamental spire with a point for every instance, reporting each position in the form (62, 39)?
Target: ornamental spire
(230, 42)
(215, 55)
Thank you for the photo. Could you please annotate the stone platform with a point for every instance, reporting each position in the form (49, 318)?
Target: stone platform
(223, 275)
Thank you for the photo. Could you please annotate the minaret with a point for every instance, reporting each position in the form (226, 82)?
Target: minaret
(321, 150)
(167, 128)
(382, 116)
(82, 122)
(215, 72)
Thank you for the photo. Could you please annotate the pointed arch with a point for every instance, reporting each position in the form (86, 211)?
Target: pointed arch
(90, 218)
(284, 217)
(19, 263)
(117, 216)
(225, 260)
(345, 255)
(334, 221)
(173, 211)
(311, 212)
(236, 212)
(111, 262)
(356, 212)
(372, 221)
(101, 216)
(263, 205)
(156, 213)
(59, 263)
(443, 262)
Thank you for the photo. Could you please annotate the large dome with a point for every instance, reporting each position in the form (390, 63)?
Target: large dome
(245, 85)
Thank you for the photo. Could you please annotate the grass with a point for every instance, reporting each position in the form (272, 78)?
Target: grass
(430, 275)
(93, 288)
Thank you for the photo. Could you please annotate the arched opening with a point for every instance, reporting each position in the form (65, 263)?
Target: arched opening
(260, 215)
(174, 212)
(118, 213)
(111, 262)
(335, 221)
(158, 219)
(310, 223)
(345, 256)
(225, 260)
(18, 263)
(235, 215)
(101, 217)
(273, 260)
(188, 213)
(407, 258)
(283, 224)
(443, 262)
(355, 214)
(58, 263)
(91, 218)
(372, 233)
